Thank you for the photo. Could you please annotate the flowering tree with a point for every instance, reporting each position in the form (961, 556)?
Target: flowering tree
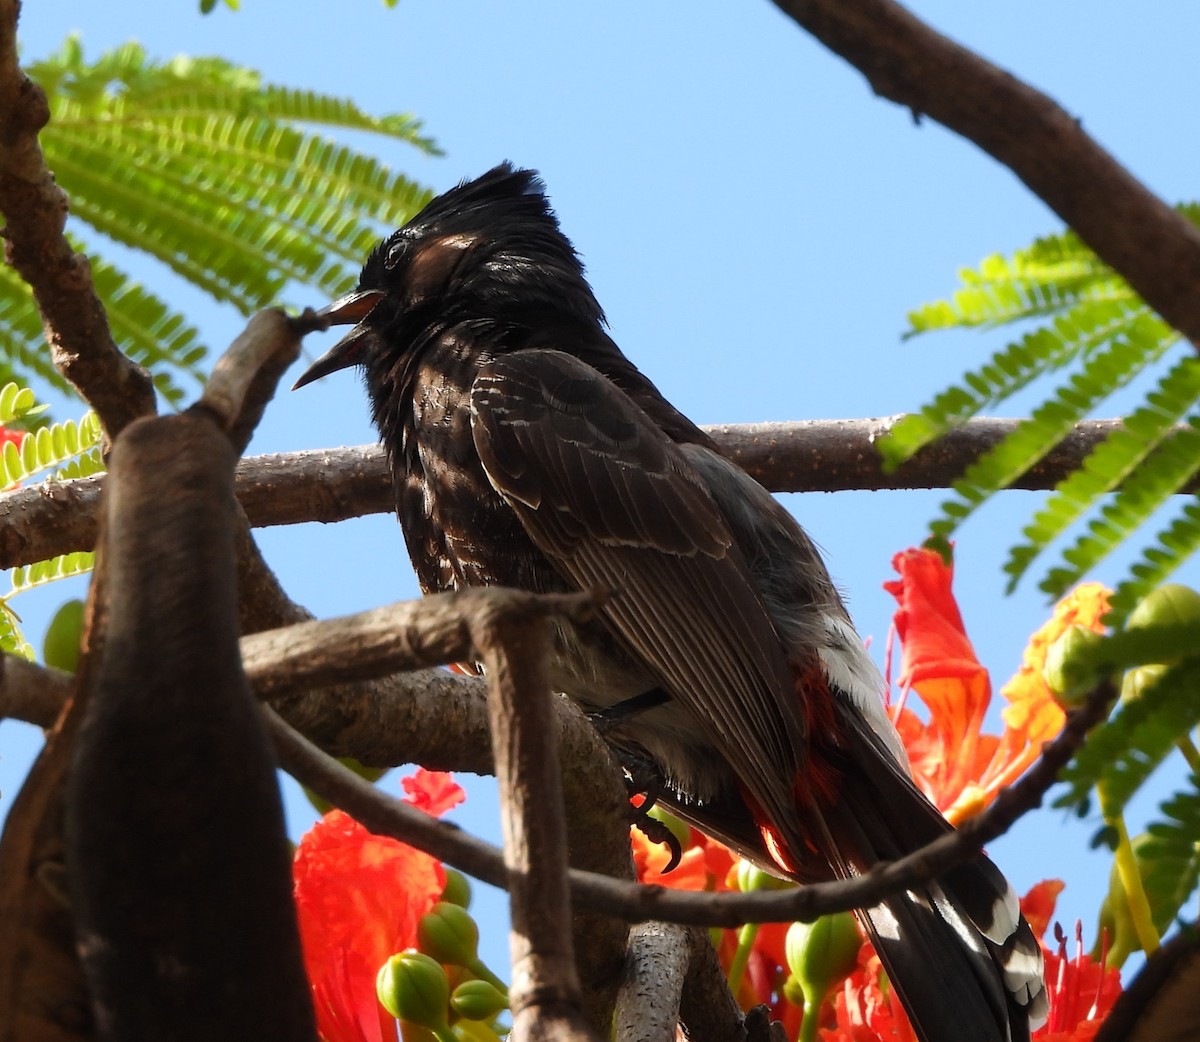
(179, 581)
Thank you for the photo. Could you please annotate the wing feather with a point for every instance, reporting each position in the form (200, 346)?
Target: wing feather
(615, 504)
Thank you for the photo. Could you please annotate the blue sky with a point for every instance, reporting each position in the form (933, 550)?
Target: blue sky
(756, 224)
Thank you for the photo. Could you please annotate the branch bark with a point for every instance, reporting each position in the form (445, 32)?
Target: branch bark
(172, 757)
(545, 995)
(1156, 249)
(329, 485)
(35, 212)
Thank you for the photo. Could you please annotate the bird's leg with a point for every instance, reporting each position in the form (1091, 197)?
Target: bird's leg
(606, 720)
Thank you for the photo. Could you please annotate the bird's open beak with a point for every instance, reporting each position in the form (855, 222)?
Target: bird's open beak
(348, 310)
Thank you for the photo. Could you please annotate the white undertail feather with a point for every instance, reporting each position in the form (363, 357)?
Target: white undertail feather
(853, 671)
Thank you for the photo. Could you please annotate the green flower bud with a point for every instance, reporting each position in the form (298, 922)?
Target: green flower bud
(751, 877)
(458, 889)
(371, 774)
(1069, 672)
(1169, 605)
(410, 1032)
(1139, 680)
(793, 992)
(474, 1031)
(413, 987)
(449, 934)
(61, 646)
(477, 1000)
(822, 953)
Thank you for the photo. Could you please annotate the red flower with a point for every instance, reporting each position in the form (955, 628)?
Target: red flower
(866, 1009)
(958, 766)
(1081, 990)
(434, 792)
(358, 899)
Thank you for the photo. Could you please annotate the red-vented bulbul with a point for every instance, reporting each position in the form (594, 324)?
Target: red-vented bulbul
(528, 451)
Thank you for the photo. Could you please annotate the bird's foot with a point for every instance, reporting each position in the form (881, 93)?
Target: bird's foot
(644, 779)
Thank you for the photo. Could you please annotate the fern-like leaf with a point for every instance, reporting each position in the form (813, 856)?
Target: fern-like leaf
(1119, 459)
(224, 179)
(1170, 548)
(1144, 340)
(1121, 753)
(47, 448)
(27, 577)
(1171, 853)
(12, 640)
(1055, 274)
(1008, 371)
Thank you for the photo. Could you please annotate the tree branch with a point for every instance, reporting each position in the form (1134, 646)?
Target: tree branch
(35, 211)
(637, 904)
(545, 996)
(1154, 248)
(58, 517)
(381, 814)
(655, 970)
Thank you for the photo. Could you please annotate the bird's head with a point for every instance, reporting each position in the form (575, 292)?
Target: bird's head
(489, 250)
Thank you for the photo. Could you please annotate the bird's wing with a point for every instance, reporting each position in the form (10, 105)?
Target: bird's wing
(615, 505)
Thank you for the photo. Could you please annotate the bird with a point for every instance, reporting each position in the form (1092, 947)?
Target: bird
(527, 451)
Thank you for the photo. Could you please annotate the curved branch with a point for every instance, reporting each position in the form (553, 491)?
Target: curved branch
(1156, 249)
(35, 211)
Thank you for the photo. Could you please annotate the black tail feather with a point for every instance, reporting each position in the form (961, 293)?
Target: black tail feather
(958, 951)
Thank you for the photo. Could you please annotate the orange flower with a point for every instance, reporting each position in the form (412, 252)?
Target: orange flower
(705, 865)
(958, 766)
(650, 859)
(358, 899)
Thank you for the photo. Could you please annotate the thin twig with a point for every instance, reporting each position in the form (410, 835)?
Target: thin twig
(641, 903)
(545, 996)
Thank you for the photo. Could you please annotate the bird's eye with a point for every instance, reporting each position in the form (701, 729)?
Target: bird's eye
(395, 251)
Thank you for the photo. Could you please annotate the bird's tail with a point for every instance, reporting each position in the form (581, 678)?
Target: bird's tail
(962, 958)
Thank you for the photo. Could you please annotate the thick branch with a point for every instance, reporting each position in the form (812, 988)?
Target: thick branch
(328, 485)
(159, 935)
(655, 969)
(387, 817)
(35, 211)
(1153, 247)
(545, 996)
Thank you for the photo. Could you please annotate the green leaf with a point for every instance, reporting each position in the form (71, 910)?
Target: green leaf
(1044, 350)
(1172, 853)
(12, 640)
(65, 566)
(225, 179)
(1052, 276)
(1123, 457)
(1121, 753)
(1144, 340)
(1171, 547)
